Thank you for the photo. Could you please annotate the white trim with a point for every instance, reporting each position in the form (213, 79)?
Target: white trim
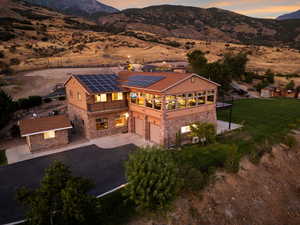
(41, 132)
(111, 191)
(99, 196)
(15, 223)
(193, 74)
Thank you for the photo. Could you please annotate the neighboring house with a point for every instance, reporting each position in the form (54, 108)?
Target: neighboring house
(155, 105)
(45, 132)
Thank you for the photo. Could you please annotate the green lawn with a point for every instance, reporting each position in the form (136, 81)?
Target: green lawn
(263, 118)
(3, 160)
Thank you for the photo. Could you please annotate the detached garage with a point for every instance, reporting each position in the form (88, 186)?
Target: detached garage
(46, 132)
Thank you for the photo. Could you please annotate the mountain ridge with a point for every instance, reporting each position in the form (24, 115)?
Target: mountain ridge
(292, 15)
(212, 24)
(82, 8)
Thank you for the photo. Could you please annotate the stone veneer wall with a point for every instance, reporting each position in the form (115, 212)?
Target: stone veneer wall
(85, 122)
(38, 143)
(172, 126)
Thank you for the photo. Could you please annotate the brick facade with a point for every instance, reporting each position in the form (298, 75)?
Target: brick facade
(38, 143)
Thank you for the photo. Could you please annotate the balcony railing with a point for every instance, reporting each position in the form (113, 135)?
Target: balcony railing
(103, 106)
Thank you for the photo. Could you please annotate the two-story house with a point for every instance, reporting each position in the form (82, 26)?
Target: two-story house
(156, 106)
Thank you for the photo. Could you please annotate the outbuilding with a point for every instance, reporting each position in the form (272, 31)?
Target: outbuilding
(45, 132)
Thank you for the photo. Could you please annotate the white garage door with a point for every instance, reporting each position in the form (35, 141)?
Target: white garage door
(155, 133)
(139, 126)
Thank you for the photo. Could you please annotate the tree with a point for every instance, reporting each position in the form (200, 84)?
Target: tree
(61, 199)
(7, 107)
(270, 76)
(152, 176)
(290, 85)
(197, 61)
(236, 64)
(205, 131)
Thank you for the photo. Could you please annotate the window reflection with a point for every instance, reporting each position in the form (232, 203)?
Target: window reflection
(181, 101)
(171, 102)
(211, 97)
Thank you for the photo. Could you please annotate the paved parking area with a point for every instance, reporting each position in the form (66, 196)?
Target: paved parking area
(21, 152)
(104, 166)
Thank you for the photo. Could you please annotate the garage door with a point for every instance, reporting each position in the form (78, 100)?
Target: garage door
(155, 133)
(139, 127)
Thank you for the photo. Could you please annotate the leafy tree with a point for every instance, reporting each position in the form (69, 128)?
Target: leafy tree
(61, 199)
(270, 76)
(236, 64)
(7, 107)
(290, 85)
(205, 131)
(197, 61)
(152, 176)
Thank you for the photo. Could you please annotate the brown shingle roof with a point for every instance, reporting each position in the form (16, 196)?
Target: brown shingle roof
(39, 125)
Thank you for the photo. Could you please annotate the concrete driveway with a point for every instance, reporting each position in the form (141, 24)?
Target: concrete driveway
(21, 152)
(104, 166)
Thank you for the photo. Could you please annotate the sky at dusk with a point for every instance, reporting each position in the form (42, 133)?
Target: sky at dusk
(254, 8)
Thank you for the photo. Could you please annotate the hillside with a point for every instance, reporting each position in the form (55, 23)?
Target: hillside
(263, 194)
(293, 15)
(211, 24)
(75, 7)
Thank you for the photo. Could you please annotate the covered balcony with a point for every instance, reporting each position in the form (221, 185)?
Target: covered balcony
(107, 101)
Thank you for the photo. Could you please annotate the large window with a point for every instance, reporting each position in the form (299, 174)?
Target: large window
(117, 96)
(191, 100)
(201, 98)
(101, 98)
(141, 99)
(149, 100)
(101, 123)
(49, 134)
(157, 102)
(121, 121)
(133, 97)
(170, 102)
(181, 101)
(211, 97)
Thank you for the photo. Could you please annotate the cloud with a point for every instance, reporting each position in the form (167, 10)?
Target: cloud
(270, 9)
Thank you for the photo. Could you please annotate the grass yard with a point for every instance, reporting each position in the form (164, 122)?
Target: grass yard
(3, 160)
(264, 118)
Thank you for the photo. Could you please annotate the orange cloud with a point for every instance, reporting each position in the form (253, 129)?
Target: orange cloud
(134, 3)
(271, 9)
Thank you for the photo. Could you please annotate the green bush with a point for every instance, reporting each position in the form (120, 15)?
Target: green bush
(205, 131)
(290, 141)
(207, 159)
(152, 176)
(3, 159)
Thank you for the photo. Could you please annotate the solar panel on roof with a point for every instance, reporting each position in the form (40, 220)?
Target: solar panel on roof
(142, 80)
(100, 82)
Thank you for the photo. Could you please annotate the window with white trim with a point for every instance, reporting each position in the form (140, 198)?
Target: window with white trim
(117, 96)
(49, 134)
(101, 98)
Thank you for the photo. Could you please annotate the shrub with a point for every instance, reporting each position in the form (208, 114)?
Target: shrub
(205, 131)
(152, 177)
(207, 159)
(290, 141)
(3, 159)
